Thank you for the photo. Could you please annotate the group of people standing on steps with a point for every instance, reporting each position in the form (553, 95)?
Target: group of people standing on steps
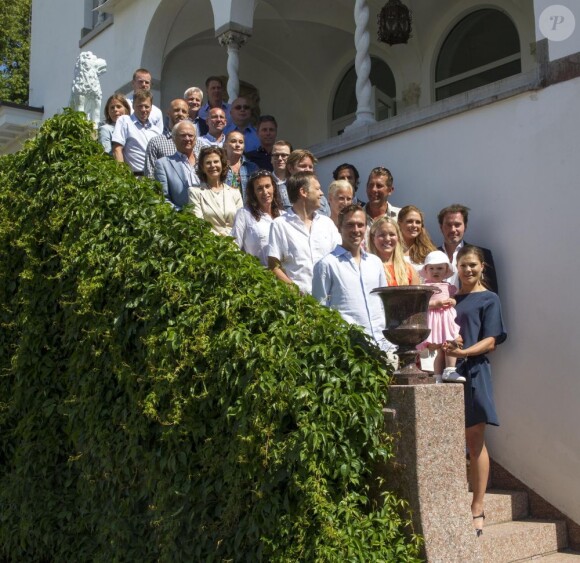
(210, 159)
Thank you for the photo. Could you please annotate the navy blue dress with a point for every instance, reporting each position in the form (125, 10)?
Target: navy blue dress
(478, 316)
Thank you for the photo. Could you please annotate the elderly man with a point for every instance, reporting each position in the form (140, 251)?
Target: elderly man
(216, 122)
(176, 172)
(343, 279)
(133, 132)
(163, 144)
(142, 81)
(267, 131)
(379, 188)
(453, 222)
(302, 236)
(214, 87)
(241, 116)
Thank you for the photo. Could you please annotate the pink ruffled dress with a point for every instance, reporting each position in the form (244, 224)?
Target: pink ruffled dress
(441, 321)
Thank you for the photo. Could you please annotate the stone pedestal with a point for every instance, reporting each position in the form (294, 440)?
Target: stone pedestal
(413, 379)
(427, 422)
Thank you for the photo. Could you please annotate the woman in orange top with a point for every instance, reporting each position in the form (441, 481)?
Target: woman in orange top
(385, 241)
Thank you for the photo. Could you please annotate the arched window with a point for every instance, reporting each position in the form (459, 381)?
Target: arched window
(384, 92)
(482, 48)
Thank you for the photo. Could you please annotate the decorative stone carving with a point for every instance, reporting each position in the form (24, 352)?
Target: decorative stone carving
(236, 38)
(233, 40)
(86, 94)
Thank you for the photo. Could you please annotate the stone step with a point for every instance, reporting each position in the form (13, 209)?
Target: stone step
(522, 540)
(504, 506)
(561, 557)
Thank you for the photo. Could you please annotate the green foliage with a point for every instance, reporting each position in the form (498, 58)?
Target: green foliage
(162, 396)
(14, 50)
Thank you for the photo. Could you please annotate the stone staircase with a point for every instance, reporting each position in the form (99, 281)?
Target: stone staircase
(513, 532)
(429, 472)
(510, 534)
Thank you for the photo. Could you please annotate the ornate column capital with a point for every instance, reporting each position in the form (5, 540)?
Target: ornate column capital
(232, 38)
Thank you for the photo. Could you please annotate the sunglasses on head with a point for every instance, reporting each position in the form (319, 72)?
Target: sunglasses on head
(260, 174)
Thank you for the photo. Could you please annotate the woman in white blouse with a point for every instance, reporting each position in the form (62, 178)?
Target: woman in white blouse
(215, 201)
(252, 222)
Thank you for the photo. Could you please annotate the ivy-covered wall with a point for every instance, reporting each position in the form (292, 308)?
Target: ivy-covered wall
(162, 396)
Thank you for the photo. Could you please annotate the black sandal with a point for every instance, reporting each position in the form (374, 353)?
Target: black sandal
(479, 531)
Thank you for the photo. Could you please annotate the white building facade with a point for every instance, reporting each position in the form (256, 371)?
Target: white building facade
(478, 108)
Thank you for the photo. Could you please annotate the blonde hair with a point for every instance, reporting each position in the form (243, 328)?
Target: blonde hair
(423, 244)
(400, 267)
(339, 184)
(193, 90)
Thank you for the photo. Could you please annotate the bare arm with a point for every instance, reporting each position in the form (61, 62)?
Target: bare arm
(442, 304)
(482, 347)
(276, 267)
(118, 152)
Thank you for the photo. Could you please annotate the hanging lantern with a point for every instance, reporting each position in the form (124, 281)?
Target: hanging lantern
(394, 23)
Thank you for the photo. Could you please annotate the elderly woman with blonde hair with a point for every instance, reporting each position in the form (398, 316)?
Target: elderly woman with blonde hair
(340, 194)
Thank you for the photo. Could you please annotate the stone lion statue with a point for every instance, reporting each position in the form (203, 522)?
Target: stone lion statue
(86, 94)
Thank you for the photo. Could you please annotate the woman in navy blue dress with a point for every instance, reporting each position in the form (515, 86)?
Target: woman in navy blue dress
(481, 328)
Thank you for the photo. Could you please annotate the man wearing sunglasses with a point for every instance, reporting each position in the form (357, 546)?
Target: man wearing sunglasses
(241, 120)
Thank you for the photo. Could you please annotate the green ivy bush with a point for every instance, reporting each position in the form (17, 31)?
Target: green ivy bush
(162, 396)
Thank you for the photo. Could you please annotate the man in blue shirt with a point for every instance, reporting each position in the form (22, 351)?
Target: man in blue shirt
(344, 279)
(241, 116)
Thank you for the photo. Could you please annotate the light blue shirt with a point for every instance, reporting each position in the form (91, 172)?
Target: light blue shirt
(187, 169)
(342, 284)
(208, 140)
(251, 140)
(204, 110)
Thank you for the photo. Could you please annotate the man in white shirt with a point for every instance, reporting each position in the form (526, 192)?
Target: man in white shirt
(344, 279)
(133, 132)
(216, 122)
(301, 237)
(142, 81)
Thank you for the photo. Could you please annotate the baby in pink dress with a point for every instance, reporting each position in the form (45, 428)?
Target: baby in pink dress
(441, 315)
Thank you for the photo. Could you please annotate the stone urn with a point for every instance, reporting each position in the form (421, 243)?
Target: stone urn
(406, 321)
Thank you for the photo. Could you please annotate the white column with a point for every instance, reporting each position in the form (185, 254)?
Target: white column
(362, 66)
(233, 40)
